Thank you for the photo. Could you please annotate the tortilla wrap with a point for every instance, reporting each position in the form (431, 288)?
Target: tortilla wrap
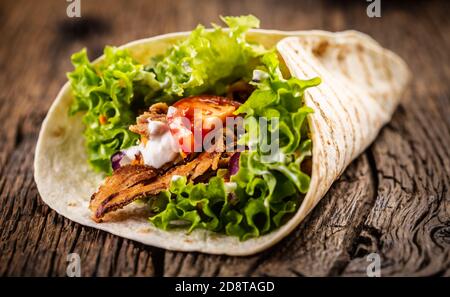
(361, 86)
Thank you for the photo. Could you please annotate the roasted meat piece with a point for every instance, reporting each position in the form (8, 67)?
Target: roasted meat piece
(156, 112)
(108, 198)
(137, 180)
(132, 182)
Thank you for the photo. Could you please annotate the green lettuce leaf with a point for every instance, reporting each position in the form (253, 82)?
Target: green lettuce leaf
(191, 205)
(114, 89)
(267, 188)
(105, 93)
(208, 60)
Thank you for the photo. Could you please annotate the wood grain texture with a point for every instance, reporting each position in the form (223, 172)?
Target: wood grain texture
(393, 200)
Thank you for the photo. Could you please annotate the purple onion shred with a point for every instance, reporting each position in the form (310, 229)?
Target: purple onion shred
(115, 160)
(233, 166)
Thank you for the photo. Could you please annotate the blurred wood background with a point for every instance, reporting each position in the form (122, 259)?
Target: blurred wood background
(393, 200)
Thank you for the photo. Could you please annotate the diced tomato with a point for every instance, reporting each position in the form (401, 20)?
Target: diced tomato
(181, 117)
(102, 119)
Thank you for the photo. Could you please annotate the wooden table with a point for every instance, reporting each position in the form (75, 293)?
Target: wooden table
(393, 200)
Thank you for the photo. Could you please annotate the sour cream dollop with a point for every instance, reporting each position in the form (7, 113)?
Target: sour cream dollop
(159, 149)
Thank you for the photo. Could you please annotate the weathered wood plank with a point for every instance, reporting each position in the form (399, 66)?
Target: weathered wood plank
(393, 200)
(409, 225)
(317, 247)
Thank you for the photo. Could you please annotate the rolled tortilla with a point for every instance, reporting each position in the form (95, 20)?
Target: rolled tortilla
(361, 86)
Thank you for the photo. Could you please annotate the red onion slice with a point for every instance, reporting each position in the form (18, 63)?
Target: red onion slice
(115, 160)
(233, 166)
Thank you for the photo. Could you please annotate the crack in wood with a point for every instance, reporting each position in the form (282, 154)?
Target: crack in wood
(357, 238)
(158, 259)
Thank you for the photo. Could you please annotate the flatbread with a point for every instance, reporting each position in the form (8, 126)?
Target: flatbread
(362, 84)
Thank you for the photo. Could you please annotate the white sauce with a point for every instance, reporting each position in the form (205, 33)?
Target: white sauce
(156, 127)
(259, 75)
(160, 148)
(130, 153)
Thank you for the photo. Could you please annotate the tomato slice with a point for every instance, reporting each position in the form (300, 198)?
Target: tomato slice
(181, 117)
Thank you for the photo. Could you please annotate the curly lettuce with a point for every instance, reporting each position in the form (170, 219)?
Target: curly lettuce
(110, 93)
(104, 93)
(208, 60)
(267, 188)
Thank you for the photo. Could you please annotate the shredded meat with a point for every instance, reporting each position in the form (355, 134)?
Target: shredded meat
(132, 182)
(135, 181)
(156, 112)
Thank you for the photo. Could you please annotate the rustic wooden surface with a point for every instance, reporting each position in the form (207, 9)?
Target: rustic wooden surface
(393, 200)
